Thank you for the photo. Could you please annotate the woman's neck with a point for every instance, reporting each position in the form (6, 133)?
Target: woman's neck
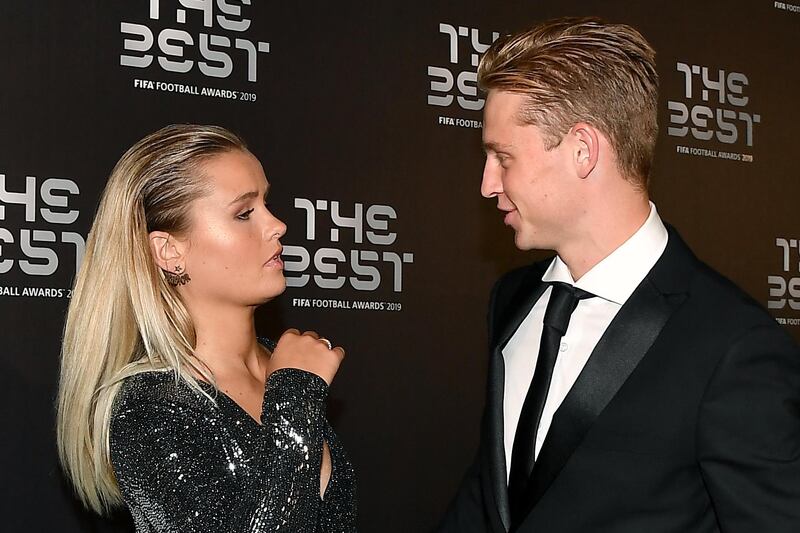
(227, 342)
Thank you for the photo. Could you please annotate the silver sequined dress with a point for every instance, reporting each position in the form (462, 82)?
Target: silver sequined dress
(185, 465)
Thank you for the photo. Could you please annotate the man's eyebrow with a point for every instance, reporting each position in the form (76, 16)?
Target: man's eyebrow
(494, 146)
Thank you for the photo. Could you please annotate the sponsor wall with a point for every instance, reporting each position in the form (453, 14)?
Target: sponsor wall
(367, 120)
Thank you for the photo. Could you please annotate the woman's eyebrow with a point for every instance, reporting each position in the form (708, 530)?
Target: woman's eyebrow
(244, 196)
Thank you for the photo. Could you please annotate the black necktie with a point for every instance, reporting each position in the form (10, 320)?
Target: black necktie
(563, 301)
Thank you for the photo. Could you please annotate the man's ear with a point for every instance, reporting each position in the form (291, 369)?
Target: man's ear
(168, 252)
(586, 148)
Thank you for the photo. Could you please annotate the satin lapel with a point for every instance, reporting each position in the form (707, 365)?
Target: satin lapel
(627, 339)
(495, 475)
(512, 310)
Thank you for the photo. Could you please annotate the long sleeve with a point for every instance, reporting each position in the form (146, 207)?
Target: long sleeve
(748, 435)
(294, 418)
(466, 512)
(183, 466)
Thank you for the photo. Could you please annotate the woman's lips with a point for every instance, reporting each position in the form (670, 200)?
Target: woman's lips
(275, 261)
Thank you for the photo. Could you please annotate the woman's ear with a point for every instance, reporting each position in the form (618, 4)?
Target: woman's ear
(167, 251)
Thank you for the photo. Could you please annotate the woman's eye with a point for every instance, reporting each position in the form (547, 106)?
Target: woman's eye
(245, 215)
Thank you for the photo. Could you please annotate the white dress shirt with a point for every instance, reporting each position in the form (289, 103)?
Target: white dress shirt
(612, 281)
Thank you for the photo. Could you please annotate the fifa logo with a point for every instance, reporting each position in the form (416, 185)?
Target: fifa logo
(463, 42)
(333, 266)
(216, 52)
(720, 113)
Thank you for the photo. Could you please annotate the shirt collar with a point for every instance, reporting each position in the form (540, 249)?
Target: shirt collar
(618, 274)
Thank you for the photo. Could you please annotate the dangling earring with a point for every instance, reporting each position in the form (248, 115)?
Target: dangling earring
(177, 278)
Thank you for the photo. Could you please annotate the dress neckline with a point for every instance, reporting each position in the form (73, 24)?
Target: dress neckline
(242, 412)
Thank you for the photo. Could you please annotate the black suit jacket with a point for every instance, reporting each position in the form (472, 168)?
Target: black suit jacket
(686, 417)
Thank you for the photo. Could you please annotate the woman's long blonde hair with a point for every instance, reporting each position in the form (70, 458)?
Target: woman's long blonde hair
(124, 318)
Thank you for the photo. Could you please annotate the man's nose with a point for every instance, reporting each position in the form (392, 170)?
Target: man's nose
(491, 185)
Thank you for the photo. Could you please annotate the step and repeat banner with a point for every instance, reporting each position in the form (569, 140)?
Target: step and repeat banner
(367, 120)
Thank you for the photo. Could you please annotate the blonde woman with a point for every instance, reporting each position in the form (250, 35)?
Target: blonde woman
(168, 401)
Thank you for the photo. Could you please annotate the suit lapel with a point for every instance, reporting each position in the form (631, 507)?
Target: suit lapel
(518, 306)
(512, 305)
(623, 345)
(495, 473)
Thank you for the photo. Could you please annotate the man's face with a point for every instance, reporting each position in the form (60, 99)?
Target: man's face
(536, 188)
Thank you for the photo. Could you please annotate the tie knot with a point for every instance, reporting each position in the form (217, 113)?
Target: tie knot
(563, 301)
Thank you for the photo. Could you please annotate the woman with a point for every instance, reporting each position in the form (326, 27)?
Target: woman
(168, 402)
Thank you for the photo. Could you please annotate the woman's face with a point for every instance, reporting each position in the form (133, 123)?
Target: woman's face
(232, 249)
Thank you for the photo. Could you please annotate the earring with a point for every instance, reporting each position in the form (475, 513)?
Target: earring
(177, 278)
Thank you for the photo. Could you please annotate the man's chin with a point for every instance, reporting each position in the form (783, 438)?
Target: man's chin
(525, 242)
(521, 242)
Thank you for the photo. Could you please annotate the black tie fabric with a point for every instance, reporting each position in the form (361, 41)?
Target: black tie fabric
(563, 301)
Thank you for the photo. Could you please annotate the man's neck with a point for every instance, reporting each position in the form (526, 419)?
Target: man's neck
(609, 226)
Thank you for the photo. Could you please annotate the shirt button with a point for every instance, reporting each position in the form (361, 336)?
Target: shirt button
(564, 347)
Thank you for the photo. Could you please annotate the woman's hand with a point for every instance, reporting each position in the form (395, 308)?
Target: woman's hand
(307, 352)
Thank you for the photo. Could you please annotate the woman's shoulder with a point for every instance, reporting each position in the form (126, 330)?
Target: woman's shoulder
(159, 392)
(150, 385)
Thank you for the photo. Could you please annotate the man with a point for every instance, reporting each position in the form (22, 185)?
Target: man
(631, 388)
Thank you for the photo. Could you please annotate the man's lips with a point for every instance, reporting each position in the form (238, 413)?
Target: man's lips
(508, 215)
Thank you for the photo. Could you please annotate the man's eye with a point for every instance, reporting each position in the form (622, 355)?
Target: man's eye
(245, 215)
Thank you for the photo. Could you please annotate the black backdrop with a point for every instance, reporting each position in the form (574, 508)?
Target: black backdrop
(365, 115)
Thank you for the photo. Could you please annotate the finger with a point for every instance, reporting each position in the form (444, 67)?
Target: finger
(328, 344)
(312, 334)
(291, 331)
(340, 351)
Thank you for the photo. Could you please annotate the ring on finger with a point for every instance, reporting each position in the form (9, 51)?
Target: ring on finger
(327, 342)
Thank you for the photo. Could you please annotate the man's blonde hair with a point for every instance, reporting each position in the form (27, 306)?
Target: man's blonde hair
(582, 70)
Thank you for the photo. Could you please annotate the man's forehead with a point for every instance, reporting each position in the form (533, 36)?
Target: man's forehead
(504, 101)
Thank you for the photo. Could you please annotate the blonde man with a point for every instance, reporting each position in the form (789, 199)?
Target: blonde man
(631, 388)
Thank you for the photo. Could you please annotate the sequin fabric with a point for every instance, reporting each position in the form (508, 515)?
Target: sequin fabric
(184, 464)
